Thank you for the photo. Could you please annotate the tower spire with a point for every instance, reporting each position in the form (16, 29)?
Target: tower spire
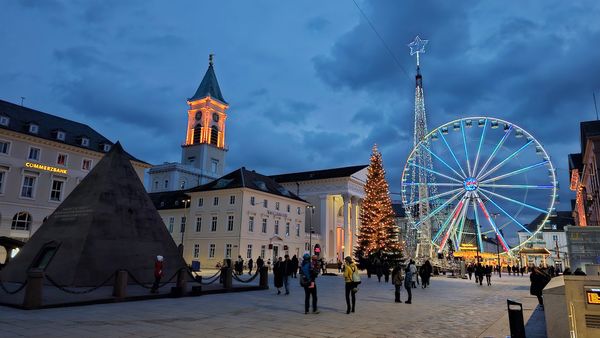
(209, 85)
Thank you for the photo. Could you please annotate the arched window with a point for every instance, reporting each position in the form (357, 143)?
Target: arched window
(197, 133)
(214, 136)
(21, 221)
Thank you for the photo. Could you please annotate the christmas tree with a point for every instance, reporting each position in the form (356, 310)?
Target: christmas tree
(378, 233)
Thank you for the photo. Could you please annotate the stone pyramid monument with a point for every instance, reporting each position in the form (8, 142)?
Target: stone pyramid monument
(107, 223)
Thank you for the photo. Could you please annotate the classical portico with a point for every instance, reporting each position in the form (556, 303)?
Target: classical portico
(337, 195)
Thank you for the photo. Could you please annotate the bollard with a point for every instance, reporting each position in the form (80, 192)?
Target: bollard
(515, 319)
(227, 279)
(120, 287)
(264, 277)
(182, 280)
(33, 290)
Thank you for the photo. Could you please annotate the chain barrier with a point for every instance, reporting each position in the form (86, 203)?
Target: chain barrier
(202, 281)
(79, 292)
(247, 280)
(15, 291)
(160, 285)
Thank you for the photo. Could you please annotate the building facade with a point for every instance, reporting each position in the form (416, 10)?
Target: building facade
(551, 237)
(585, 179)
(240, 214)
(42, 159)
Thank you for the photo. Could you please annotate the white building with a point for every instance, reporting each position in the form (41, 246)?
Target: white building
(552, 238)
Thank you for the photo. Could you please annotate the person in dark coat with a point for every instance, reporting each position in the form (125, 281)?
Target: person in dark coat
(286, 272)
(259, 263)
(425, 271)
(408, 282)
(470, 270)
(158, 272)
(579, 272)
(294, 266)
(309, 271)
(488, 274)
(479, 272)
(539, 279)
(250, 266)
(378, 269)
(386, 270)
(278, 271)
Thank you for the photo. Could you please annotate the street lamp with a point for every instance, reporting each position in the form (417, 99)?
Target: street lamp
(312, 210)
(497, 245)
(186, 203)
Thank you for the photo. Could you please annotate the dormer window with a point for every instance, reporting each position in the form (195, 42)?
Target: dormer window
(106, 147)
(84, 142)
(4, 120)
(34, 128)
(60, 135)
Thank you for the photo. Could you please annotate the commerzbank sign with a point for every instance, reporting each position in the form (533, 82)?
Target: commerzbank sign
(45, 168)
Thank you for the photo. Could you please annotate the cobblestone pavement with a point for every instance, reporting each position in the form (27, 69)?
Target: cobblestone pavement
(450, 308)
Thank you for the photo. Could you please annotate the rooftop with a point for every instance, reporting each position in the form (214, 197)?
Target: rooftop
(318, 174)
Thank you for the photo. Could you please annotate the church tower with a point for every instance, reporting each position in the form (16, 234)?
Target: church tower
(204, 146)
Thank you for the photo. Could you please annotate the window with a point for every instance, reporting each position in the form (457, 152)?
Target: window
(34, 154)
(28, 186)
(214, 136)
(249, 251)
(171, 224)
(197, 134)
(298, 210)
(85, 142)
(87, 165)
(276, 205)
(232, 199)
(56, 190)
(276, 227)
(230, 223)
(213, 224)
(182, 227)
(214, 166)
(555, 238)
(198, 224)
(60, 135)
(33, 128)
(216, 201)
(4, 120)
(200, 201)
(155, 185)
(4, 147)
(227, 250)
(250, 223)
(211, 251)
(252, 201)
(265, 203)
(297, 230)
(106, 147)
(262, 251)
(264, 226)
(2, 175)
(196, 250)
(287, 228)
(288, 208)
(182, 185)
(21, 221)
(166, 184)
(62, 159)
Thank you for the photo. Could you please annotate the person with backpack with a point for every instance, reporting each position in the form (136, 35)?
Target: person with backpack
(351, 279)
(397, 279)
(309, 270)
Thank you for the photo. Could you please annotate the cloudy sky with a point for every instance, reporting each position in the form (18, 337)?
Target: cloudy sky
(310, 84)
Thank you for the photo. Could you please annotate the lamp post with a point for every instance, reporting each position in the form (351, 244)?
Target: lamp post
(186, 203)
(497, 246)
(312, 209)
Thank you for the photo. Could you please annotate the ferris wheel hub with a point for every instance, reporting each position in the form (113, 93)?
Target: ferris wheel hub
(470, 184)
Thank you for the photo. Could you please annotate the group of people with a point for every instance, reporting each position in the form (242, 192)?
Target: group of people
(283, 270)
(480, 270)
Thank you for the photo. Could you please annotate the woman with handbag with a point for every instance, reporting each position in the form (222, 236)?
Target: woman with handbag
(351, 279)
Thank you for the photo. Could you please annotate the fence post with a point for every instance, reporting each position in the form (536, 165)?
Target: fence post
(120, 287)
(264, 277)
(33, 290)
(227, 279)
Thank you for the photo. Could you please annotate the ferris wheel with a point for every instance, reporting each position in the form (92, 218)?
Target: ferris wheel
(494, 183)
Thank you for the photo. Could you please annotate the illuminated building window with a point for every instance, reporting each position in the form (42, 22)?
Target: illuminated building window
(87, 165)
(213, 224)
(230, 223)
(4, 120)
(62, 159)
(197, 134)
(56, 190)
(228, 250)
(34, 154)
(214, 136)
(251, 224)
(249, 251)
(33, 128)
(211, 251)
(28, 187)
(21, 221)
(4, 147)
(196, 250)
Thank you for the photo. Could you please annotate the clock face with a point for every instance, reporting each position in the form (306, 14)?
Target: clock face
(198, 116)
(216, 117)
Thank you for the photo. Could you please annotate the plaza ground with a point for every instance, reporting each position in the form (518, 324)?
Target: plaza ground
(450, 308)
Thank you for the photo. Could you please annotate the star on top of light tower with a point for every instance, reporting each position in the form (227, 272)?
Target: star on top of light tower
(417, 47)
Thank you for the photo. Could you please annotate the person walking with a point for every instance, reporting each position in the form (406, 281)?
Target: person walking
(250, 266)
(425, 272)
(539, 279)
(488, 274)
(386, 270)
(408, 283)
(470, 270)
(413, 273)
(158, 272)
(294, 266)
(278, 270)
(350, 269)
(309, 272)
(378, 269)
(259, 263)
(286, 270)
(397, 279)
(479, 272)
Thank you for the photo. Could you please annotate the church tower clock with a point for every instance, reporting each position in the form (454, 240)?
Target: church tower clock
(204, 146)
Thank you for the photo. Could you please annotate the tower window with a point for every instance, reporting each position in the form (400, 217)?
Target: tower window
(197, 134)
(214, 136)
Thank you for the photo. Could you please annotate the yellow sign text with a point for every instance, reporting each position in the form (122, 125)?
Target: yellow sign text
(45, 168)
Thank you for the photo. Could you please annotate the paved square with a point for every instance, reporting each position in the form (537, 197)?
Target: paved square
(450, 308)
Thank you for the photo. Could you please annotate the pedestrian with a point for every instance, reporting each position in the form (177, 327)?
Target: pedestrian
(470, 270)
(479, 272)
(250, 266)
(386, 270)
(488, 274)
(425, 272)
(413, 273)
(397, 279)
(323, 265)
(308, 274)
(294, 266)
(259, 263)
(509, 269)
(158, 272)
(408, 283)
(339, 265)
(351, 281)
(287, 272)
(579, 272)
(522, 271)
(378, 269)
(539, 280)
(278, 270)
